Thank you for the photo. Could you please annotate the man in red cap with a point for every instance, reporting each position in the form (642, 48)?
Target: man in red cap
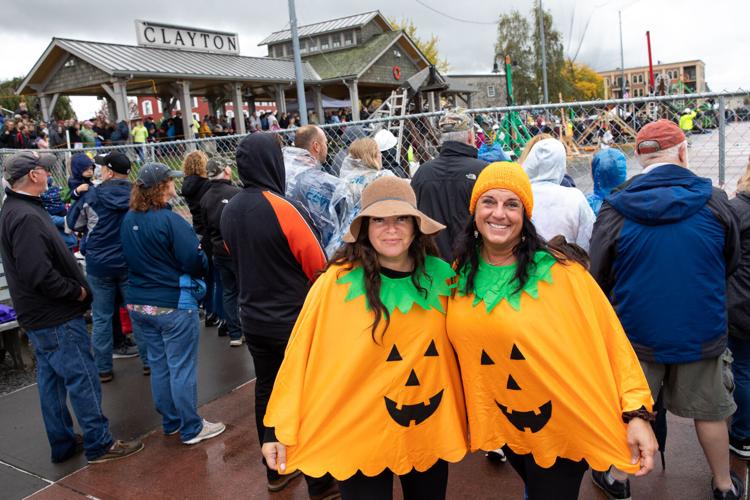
(662, 247)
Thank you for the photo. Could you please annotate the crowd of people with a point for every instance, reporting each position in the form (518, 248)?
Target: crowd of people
(488, 306)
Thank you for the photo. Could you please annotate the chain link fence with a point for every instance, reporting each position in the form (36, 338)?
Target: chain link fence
(719, 143)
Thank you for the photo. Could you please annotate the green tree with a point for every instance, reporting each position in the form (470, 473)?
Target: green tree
(9, 100)
(428, 47)
(519, 36)
(514, 40)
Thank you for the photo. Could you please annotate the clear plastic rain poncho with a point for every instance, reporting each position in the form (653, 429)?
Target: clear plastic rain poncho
(328, 199)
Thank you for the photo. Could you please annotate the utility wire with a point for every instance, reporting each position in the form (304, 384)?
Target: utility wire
(468, 21)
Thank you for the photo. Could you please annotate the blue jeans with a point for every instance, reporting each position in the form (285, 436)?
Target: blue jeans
(65, 368)
(102, 308)
(229, 296)
(740, 428)
(172, 345)
(213, 300)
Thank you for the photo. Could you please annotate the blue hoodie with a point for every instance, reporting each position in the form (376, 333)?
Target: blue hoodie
(609, 168)
(98, 214)
(79, 164)
(662, 248)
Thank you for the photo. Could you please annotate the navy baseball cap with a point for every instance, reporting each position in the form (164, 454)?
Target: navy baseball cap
(152, 174)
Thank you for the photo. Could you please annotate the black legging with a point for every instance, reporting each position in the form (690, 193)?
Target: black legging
(562, 481)
(268, 353)
(428, 485)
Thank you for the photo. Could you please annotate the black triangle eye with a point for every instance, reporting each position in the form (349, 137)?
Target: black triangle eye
(394, 355)
(515, 353)
(431, 350)
(486, 359)
(512, 384)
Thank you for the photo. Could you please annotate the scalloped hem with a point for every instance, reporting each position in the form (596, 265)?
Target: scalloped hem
(344, 473)
(546, 459)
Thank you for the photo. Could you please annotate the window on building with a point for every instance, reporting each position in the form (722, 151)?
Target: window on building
(348, 38)
(324, 43)
(336, 40)
(490, 91)
(302, 45)
(312, 44)
(148, 108)
(195, 102)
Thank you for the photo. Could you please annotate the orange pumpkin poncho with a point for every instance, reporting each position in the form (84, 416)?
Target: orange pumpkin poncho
(549, 370)
(343, 402)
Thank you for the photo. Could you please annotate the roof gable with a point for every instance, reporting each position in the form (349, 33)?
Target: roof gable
(329, 26)
(127, 60)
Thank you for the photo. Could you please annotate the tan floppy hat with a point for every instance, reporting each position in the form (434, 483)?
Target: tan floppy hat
(386, 197)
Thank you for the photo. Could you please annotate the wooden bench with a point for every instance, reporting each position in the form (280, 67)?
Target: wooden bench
(10, 332)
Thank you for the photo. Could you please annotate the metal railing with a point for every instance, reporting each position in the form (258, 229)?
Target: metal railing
(719, 144)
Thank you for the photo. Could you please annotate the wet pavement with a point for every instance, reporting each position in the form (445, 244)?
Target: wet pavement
(229, 465)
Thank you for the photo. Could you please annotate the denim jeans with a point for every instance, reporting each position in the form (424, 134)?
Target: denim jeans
(213, 300)
(740, 428)
(102, 308)
(229, 296)
(65, 369)
(172, 345)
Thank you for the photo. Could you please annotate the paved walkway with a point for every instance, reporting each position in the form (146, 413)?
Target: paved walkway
(229, 466)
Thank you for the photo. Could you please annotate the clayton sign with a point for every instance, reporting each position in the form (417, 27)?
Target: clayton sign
(168, 36)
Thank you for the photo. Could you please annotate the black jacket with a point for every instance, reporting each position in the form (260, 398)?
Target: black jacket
(43, 276)
(271, 240)
(738, 287)
(193, 189)
(443, 187)
(212, 205)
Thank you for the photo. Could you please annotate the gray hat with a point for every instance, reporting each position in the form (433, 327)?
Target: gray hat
(215, 166)
(155, 173)
(21, 164)
(457, 120)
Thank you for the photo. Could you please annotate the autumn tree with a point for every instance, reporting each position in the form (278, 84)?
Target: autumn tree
(428, 47)
(582, 82)
(9, 100)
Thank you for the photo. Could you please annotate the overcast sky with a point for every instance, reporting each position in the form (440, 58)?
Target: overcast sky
(714, 31)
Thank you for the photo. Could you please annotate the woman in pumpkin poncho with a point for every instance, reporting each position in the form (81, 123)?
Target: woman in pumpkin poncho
(547, 370)
(369, 386)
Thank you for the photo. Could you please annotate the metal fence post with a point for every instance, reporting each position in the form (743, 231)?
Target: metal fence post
(722, 141)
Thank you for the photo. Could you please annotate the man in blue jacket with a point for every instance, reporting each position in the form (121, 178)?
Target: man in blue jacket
(98, 214)
(662, 248)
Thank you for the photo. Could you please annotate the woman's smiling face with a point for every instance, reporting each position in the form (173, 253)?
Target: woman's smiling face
(499, 218)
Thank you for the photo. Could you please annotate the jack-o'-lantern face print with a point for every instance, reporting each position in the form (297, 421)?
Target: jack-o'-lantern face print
(531, 415)
(416, 412)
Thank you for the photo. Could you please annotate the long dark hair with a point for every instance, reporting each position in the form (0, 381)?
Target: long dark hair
(467, 251)
(361, 252)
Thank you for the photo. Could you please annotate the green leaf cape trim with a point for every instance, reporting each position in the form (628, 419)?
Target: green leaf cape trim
(492, 284)
(400, 293)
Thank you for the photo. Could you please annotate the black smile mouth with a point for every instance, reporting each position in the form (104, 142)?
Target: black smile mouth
(531, 420)
(416, 413)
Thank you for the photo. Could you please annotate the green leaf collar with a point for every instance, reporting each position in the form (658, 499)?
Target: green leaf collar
(400, 293)
(492, 284)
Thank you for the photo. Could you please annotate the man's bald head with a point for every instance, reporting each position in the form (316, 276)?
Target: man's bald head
(313, 139)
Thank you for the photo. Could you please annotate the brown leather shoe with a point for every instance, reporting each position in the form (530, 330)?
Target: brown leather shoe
(118, 450)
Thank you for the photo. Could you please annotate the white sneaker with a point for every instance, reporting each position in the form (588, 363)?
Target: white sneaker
(237, 342)
(209, 431)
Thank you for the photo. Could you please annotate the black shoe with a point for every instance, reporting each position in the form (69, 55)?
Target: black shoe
(737, 487)
(223, 329)
(739, 447)
(78, 448)
(497, 456)
(105, 377)
(614, 489)
(146, 371)
(211, 320)
(281, 482)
